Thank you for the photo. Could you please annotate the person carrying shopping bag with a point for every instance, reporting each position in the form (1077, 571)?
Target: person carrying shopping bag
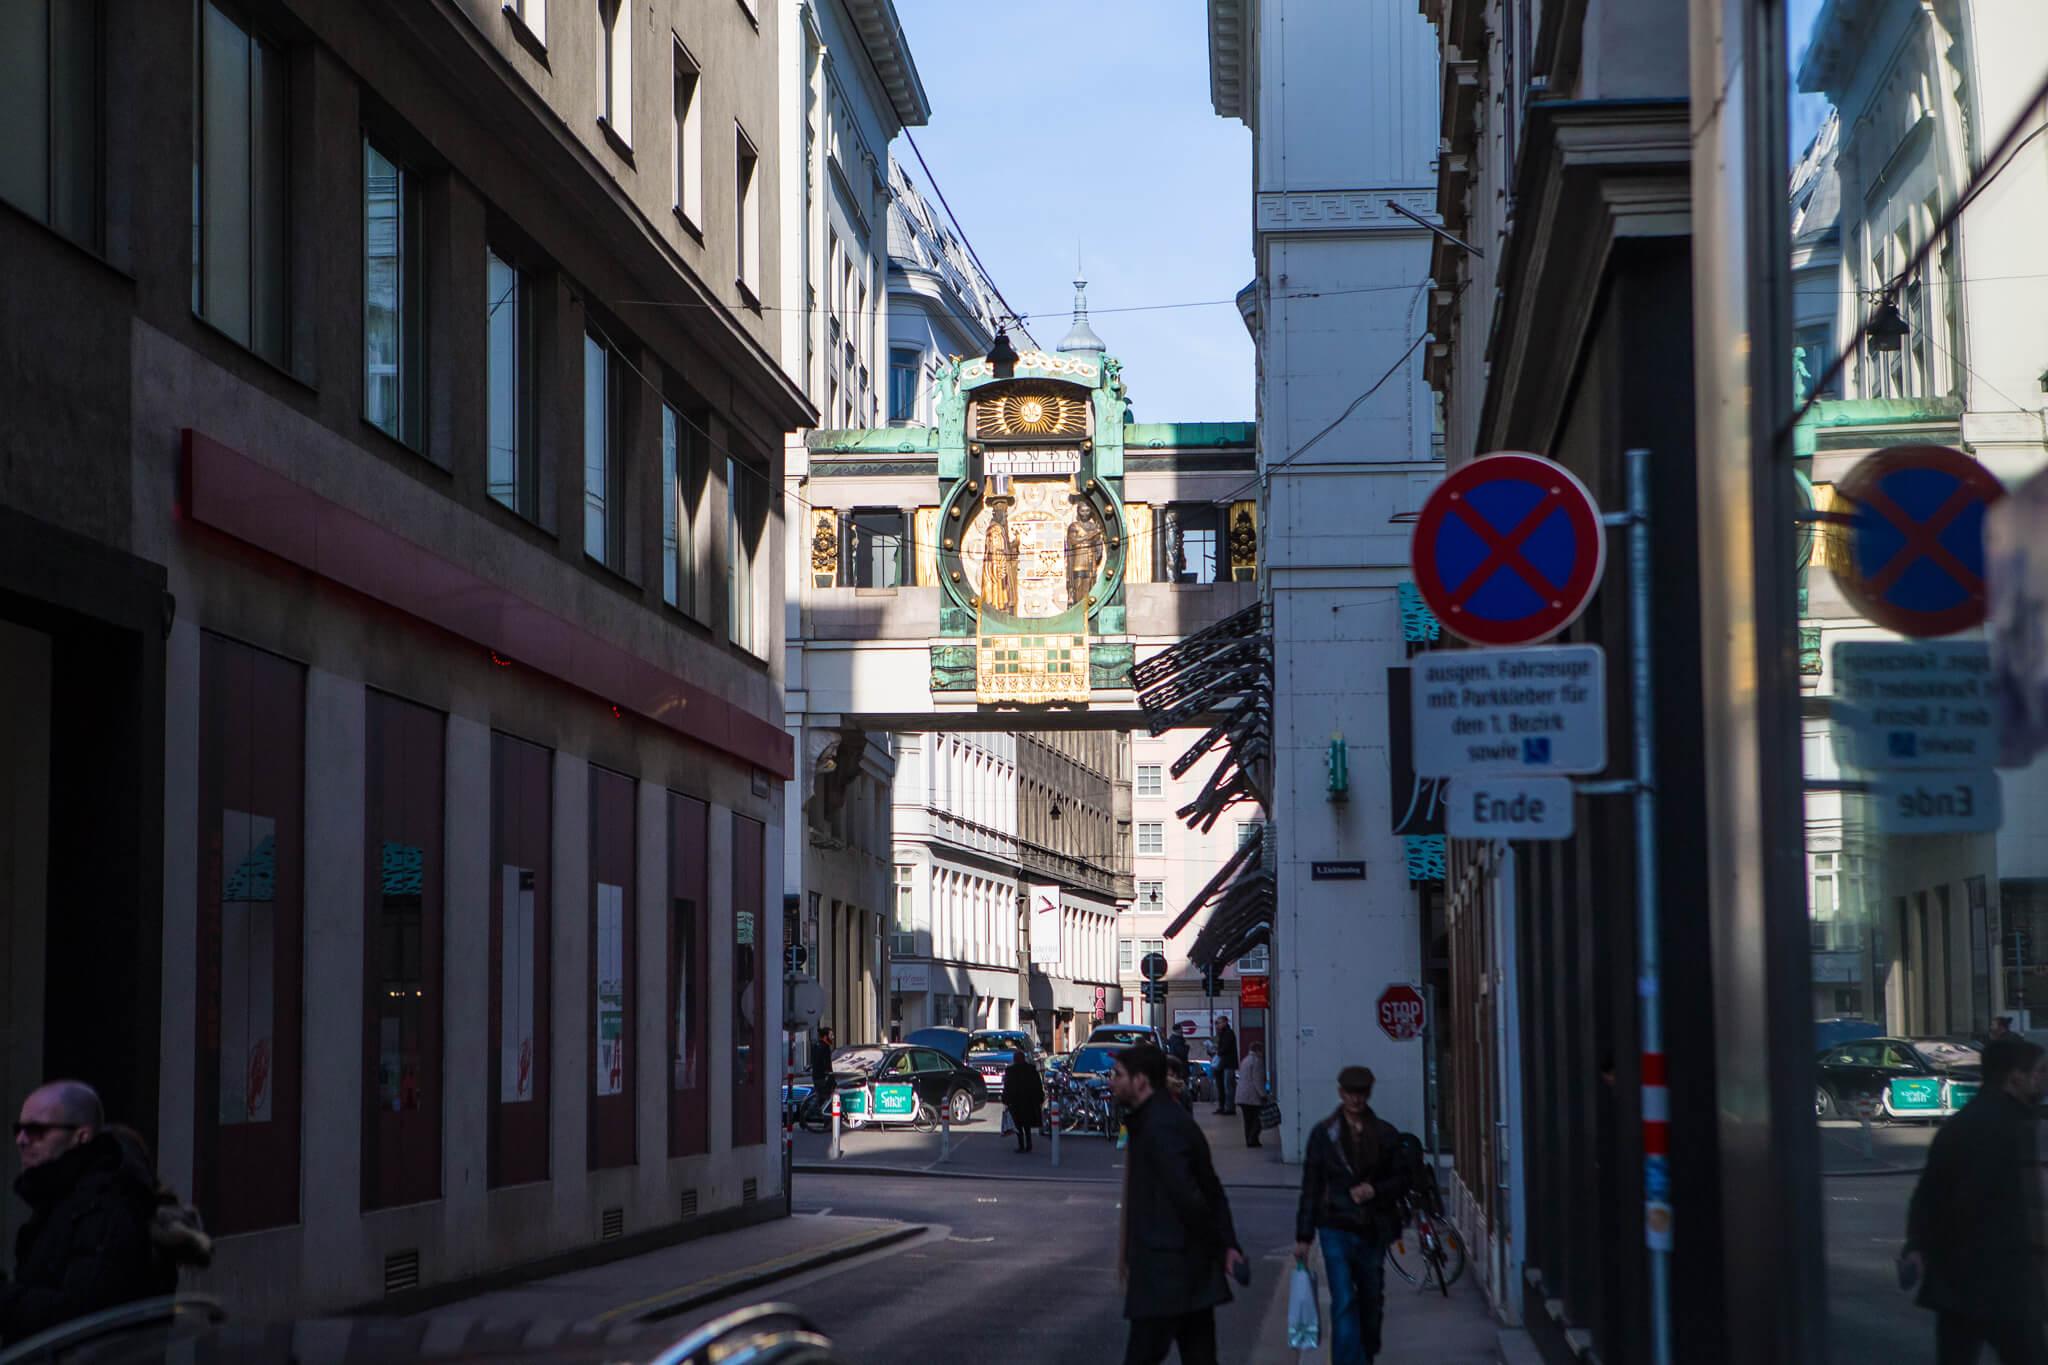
(1251, 1091)
(1353, 1179)
(1023, 1097)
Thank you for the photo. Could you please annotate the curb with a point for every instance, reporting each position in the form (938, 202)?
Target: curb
(850, 1168)
(1881, 1170)
(696, 1295)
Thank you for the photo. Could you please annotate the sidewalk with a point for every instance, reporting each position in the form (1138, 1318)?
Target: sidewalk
(1897, 1149)
(661, 1284)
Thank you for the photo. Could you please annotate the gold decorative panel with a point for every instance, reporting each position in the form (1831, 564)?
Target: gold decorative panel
(1243, 539)
(925, 538)
(824, 547)
(1034, 551)
(1028, 670)
(1031, 412)
(1139, 548)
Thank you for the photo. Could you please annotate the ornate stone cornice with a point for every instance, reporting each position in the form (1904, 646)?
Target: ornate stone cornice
(1342, 210)
(1229, 58)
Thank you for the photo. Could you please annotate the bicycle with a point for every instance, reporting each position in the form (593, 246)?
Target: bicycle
(1427, 1248)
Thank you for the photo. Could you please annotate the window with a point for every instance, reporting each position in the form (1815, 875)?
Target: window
(615, 68)
(689, 978)
(1247, 830)
(1151, 895)
(250, 934)
(604, 451)
(688, 170)
(1823, 885)
(903, 933)
(240, 275)
(905, 367)
(1253, 963)
(1151, 837)
(394, 318)
(750, 1044)
(743, 525)
(513, 469)
(682, 490)
(533, 14)
(614, 969)
(49, 104)
(1189, 536)
(1123, 955)
(1148, 946)
(874, 549)
(747, 238)
(404, 744)
(522, 831)
(1150, 781)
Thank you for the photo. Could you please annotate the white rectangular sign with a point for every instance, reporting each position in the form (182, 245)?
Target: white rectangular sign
(1510, 711)
(1907, 705)
(1045, 924)
(1508, 808)
(1937, 803)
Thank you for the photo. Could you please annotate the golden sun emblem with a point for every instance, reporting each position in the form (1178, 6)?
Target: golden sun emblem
(1034, 414)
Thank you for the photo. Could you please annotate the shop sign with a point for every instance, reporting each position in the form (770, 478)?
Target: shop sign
(1508, 549)
(1937, 803)
(1253, 993)
(1045, 925)
(892, 1100)
(1510, 711)
(1915, 1094)
(1509, 808)
(1900, 705)
(910, 978)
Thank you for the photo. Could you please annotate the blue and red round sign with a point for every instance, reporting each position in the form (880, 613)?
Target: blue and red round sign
(1508, 549)
(1915, 561)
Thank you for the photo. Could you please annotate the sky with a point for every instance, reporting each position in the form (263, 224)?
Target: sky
(1067, 125)
(1807, 110)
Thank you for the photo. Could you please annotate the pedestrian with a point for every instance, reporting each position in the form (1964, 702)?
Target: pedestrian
(86, 1245)
(1177, 1083)
(1225, 1053)
(1251, 1092)
(177, 1234)
(1023, 1096)
(1353, 1179)
(823, 1082)
(1177, 1045)
(2001, 1027)
(1177, 1241)
(1974, 1242)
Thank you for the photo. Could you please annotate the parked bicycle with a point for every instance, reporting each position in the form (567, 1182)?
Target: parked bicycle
(1427, 1250)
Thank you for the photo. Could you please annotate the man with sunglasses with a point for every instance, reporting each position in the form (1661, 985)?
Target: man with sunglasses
(86, 1245)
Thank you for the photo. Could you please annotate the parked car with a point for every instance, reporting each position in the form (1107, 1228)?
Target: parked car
(947, 1039)
(947, 1084)
(1126, 1034)
(992, 1050)
(1094, 1058)
(1862, 1071)
(1831, 1033)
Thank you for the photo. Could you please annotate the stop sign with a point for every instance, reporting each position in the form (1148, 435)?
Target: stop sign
(1400, 1012)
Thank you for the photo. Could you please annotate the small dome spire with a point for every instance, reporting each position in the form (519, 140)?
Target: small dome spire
(1081, 337)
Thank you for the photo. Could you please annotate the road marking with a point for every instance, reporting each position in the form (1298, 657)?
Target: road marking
(970, 1240)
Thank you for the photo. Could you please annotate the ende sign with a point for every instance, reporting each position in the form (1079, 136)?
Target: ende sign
(1510, 711)
(1509, 808)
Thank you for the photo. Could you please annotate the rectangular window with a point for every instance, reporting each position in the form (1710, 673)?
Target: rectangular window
(682, 491)
(1151, 895)
(394, 316)
(1247, 830)
(615, 68)
(613, 969)
(251, 927)
(688, 170)
(513, 469)
(50, 106)
(747, 226)
(744, 500)
(604, 452)
(522, 830)
(1190, 535)
(402, 884)
(905, 367)
(1151, 837)
(1123, 955)
(875, 549)
(1147, 946)
(749, 1042)
(1253, 963)
(1150, 780)
(240, 215)
(689, 978)
(533, 14)
(903, 935)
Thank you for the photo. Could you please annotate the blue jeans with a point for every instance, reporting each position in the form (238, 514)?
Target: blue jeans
(1357, 1267)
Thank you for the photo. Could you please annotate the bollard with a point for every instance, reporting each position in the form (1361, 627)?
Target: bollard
(1863, 1110)
(835, 1126)
(945, 1132)
(1055, 1114)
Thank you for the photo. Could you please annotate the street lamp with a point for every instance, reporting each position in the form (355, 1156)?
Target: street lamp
(1002, 356)
(1887, 327)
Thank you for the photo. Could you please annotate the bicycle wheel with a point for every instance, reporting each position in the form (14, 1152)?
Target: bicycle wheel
(1449, 1249)
(1406, 1256)
(925, 1118)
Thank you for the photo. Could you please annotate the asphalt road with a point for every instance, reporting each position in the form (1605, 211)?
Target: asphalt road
(1869, 1319)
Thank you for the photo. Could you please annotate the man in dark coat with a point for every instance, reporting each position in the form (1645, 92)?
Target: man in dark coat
(86, 1245)
(1176, 1043)
(1976, 1230)
(1023, 1096)
(1226, 1068)
(1353, 1179)
(1177, 1240)
(823, 1080)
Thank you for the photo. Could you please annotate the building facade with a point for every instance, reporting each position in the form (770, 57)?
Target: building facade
(849, 86)
(406, 546)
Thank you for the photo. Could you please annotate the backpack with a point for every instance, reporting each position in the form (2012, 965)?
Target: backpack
(1423, 1191)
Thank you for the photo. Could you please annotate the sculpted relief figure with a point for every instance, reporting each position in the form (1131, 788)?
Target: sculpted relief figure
(1083, 552)
(998, 565)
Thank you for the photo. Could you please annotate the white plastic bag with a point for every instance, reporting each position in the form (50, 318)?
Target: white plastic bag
(1304, 1310)
(1009, 1124)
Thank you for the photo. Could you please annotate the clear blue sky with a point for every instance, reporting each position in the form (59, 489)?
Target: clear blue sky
(1063, 124)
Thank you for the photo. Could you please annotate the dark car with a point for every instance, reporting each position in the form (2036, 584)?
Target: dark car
(950, 1087)
(947, 1039)
(1126, 1034)
(1861, 1071)
(992, 1050)
(1094, 1059)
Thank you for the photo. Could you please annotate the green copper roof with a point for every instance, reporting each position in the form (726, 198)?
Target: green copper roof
(877, 440)
(1838, 413)
(1167, 435)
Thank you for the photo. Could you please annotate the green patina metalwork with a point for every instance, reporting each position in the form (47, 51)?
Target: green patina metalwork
(876, 441)
(1823, 425)
(1188, 435)
(952, 668)
(1109, 666)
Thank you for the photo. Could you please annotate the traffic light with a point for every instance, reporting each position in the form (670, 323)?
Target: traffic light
(1209, 975)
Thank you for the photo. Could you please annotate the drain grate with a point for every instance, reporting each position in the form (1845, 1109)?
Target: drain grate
(750, 1190)
(401, 1271)
(689, 1203)
(614, 1225)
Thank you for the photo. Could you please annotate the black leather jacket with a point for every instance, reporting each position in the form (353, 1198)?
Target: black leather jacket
(1327, 1178)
